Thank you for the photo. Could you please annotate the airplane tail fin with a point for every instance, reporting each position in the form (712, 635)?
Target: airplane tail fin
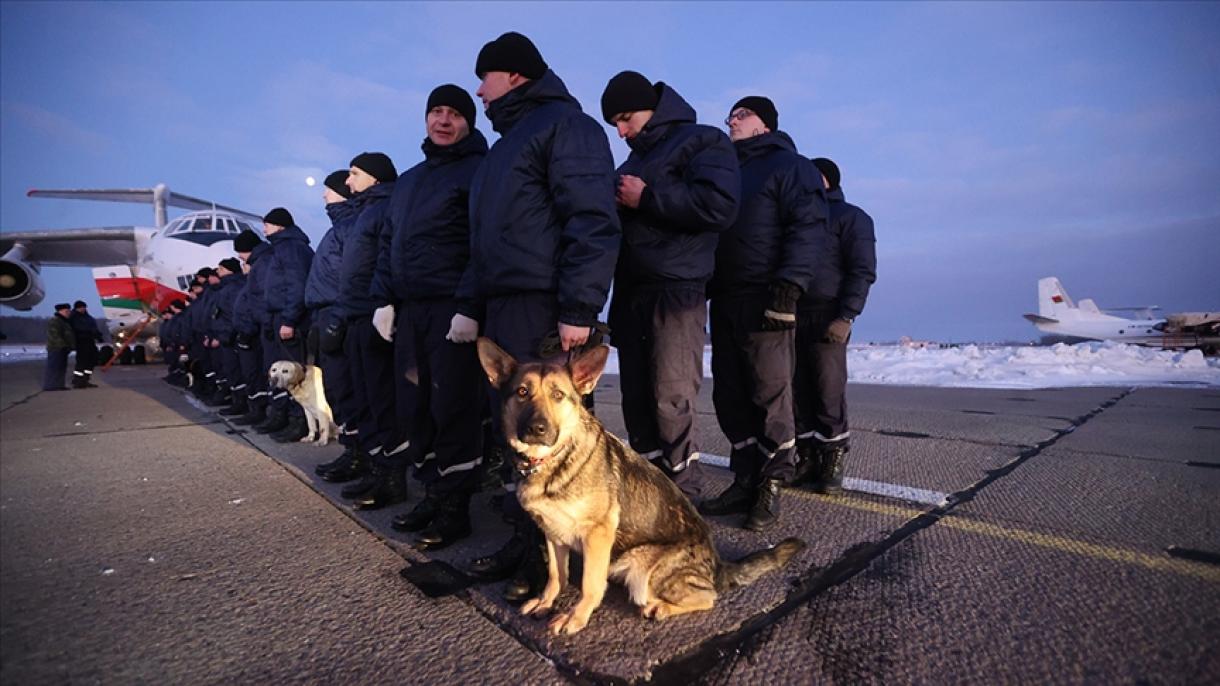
(1053, 300)
(160, 197)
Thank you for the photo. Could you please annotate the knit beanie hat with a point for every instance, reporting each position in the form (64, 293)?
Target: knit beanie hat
(628, 91)
(337, 182)
(280, 217)
(763, 107)
(376, 165)
(829, 169)
(453, 96)
(79, 303)
(246, 241)
(62, 306)
(232, 264)
(513, 53)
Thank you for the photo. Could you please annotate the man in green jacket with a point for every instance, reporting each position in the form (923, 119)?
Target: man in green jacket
(60, 341)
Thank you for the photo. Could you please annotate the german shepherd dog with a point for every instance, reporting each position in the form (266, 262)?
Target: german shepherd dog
(591, 493)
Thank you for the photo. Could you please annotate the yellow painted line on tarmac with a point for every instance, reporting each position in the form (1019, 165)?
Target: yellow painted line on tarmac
(1136, 558)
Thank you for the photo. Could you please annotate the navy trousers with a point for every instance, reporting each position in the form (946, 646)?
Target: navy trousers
(752, 372)
(659, 334)
(819, 389)
(57, 367)
(371, 360)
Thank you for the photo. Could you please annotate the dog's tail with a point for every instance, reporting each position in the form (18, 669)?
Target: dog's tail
(730, 575)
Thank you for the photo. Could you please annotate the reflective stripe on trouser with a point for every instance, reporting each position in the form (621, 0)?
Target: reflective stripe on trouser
(447, 423)
(660, 335)
(752, 394)
(819, 388)
(371, 359)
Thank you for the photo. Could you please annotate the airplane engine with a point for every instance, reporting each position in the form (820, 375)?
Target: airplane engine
(21, 286)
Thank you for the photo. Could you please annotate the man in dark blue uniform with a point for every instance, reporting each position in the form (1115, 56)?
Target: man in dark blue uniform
(544, 240)
(322, 292)
(763, 265)
(371, 178)
(421, 263)
(249, 319)
(677, 191)
(84, 327)
(223, 329)
(846, 270)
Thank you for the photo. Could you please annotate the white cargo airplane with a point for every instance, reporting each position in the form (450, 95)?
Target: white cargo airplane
(1057, 314)
(138, 271)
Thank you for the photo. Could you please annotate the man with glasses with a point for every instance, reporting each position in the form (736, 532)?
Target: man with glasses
(676, 192)
(764, 262)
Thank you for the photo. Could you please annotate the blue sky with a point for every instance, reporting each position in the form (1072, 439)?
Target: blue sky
(993, 143)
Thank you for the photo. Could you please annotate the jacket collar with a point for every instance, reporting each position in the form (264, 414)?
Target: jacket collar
(513, 106)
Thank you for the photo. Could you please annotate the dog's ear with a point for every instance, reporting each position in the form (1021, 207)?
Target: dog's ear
(499, 365)
(587, 368)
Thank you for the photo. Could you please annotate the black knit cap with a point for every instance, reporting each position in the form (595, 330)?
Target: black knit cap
(829, 169)
(280, 217)
(513, 53)
(337, 182)
(79, 303)
(246, 241)
(628, 91)
(62, 306)
(207, 273)
(763, 107)
(376, 165)
(232, 264)
(179, 303)
(453, 96)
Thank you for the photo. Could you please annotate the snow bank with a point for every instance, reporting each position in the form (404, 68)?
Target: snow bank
(1084, 364)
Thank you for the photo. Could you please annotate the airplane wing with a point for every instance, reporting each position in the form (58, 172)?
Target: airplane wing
(141, 195)
(95, 247)
(1037, 319)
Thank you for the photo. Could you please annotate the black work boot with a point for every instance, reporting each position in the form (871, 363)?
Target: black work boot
(808, 462)
(765, 511)
(505, 561)
(297, 429)
(830, 476)
(277, 418)
(531, 574)
(238, 407)
(391, 489)
(420, 516)
(451, 523)
(220, 396)
(347, 455)
(354, 467)
(737, 498)
(257, 413)
(368, 481)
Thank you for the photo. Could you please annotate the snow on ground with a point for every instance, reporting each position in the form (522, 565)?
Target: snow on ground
(972, 366)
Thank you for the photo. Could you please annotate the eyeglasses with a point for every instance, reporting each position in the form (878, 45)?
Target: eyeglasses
(739, 115)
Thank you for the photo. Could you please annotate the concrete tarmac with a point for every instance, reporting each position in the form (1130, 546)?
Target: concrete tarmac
(990, 536)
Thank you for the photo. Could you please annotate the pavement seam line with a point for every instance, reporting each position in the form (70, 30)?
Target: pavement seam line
(692, 665)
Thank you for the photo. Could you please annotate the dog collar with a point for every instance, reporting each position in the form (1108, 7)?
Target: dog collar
(528, 466)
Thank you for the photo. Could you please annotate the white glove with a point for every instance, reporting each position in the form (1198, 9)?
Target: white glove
(462, 329)
(383, 321)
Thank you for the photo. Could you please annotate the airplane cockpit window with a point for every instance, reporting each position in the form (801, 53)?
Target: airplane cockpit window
(202, 224)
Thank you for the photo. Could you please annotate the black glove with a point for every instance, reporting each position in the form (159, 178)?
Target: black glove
(781, 314)
(243, 341)
(330, 341)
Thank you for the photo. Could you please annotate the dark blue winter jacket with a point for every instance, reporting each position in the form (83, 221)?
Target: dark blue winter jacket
(360, 251)
(427, 248)
(542, 214)
(84, 326)
(692, 189)
(847, 263)
(287, 268)
(323, 286)
(250, 308)
(782, 220)
(222, 303)
(201, 315)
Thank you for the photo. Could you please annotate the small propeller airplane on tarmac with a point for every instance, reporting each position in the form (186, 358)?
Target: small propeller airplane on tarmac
(1057, 314)
(138, 271)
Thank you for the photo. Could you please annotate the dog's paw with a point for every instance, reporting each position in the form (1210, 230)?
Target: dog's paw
(536, 607)
(307, 439)
(657, 610)
(324, 441)
(567, 623)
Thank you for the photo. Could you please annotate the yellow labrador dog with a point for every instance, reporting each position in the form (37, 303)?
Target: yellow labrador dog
(304, 384)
